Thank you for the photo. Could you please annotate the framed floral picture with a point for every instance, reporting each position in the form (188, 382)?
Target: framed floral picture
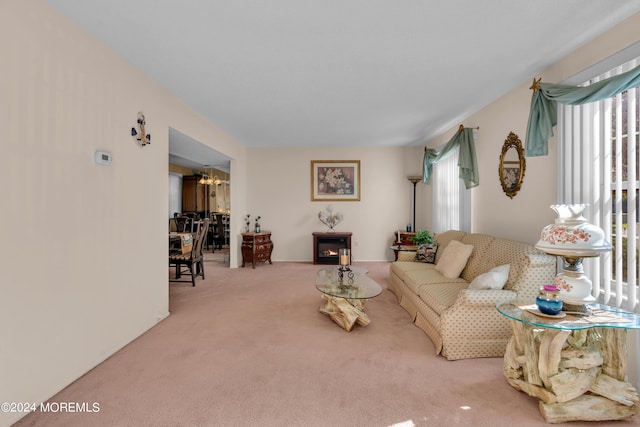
(335, 180)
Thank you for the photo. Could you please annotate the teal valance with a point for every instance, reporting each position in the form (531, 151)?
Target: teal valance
(467, 162)
(543, 115)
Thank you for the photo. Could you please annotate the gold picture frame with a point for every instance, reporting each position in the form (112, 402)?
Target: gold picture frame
(335, 180)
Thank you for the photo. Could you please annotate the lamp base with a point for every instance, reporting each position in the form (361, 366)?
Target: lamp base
(573, 284)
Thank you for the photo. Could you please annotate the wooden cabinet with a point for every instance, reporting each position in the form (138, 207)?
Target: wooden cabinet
(256, 247)
(195, 196)
(406, 238)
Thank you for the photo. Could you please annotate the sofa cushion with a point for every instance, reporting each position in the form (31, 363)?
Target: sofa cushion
(427, 276)
(441, 296)
(477, 263)
(495, 278)
(400, 268)
(454, 259)
(443, 240)
(427, 253)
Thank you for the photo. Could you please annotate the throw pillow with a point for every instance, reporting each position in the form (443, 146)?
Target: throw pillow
(495, 278)
(453, 260)
(427, 253)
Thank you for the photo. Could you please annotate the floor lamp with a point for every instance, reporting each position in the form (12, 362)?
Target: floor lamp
(414, 180)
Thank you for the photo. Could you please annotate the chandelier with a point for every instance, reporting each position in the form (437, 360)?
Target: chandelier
(206, 178)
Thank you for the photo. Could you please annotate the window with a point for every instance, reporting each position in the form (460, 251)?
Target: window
(598, 165)
(451, 201)
(175, 193)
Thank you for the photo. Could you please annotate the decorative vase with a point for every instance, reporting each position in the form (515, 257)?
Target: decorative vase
(548, 300)
(573, 238)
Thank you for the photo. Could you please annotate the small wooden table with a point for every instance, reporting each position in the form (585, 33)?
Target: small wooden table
(256, 247)
(345, 296)
(575, 365)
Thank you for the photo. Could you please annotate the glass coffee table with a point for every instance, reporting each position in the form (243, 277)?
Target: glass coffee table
(345, 296)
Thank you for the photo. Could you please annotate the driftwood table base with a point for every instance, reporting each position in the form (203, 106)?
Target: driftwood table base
(577, 375)
(345, 312)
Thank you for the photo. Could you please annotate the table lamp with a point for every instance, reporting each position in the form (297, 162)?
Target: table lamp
(573, 238)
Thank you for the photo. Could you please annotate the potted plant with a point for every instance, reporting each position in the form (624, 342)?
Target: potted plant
(422, 238)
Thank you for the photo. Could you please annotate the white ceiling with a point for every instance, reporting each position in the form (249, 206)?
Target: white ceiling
(365, 73)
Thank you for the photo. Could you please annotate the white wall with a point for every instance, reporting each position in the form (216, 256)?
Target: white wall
(280, 192)
(84, 267)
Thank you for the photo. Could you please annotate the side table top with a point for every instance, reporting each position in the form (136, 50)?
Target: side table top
(409, 248)
(602, 316)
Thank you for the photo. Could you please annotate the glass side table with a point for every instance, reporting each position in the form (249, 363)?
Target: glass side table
(576, 364)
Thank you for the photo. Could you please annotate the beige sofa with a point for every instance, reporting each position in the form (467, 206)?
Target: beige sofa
(464, 323)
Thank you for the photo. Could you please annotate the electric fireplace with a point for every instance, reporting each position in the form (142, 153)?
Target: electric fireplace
(327, 245)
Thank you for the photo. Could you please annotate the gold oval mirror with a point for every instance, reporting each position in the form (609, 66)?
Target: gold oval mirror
(512, 165)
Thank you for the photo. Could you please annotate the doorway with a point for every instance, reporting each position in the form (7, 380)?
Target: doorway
(208, 171)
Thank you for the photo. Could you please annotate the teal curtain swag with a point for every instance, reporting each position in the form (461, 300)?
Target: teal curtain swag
(543, 115)
(467, 162)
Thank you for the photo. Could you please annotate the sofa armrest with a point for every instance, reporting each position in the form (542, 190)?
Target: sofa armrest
(483, 298)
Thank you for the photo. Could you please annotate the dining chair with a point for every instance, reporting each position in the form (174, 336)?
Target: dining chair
(184, 224)
(218, 232)
(192, 215)
(210, 233)
(193, 261)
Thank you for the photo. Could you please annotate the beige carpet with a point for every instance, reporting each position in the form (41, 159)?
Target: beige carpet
(248, 347)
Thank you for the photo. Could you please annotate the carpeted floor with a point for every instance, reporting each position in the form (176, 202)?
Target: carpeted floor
(248, 347)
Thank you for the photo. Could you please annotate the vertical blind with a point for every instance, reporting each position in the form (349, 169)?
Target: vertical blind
(451, 201)
(597, 165)
(446, 194)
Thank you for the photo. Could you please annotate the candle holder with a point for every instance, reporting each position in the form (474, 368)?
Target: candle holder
(344, 258)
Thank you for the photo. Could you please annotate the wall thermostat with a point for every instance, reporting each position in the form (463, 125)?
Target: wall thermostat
(102, 158)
